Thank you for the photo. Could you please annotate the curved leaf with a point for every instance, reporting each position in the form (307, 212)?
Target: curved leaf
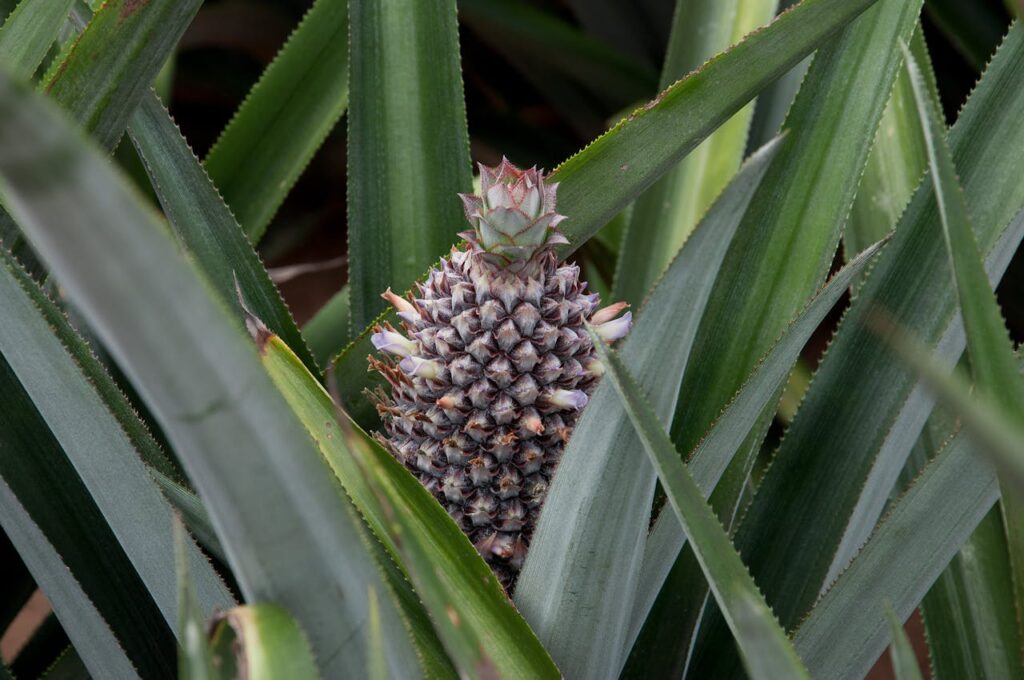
(896, 163)
(847, 630)
(970, 613)
(602, 179)
(710, 458)
(46, 486)
(990, 349)
(904, 662)
(194, 659)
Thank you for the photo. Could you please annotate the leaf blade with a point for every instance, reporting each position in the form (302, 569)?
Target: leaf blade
(204, 223)
(263, 641)
(767, 652)
(841, 636)
(28, 32)
(408, 146)
(904, 662)
(96, 84)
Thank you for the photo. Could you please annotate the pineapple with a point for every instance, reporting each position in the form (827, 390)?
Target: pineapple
(493, 365)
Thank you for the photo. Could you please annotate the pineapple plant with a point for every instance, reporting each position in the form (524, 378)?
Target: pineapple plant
(495, 365)
(462, 464)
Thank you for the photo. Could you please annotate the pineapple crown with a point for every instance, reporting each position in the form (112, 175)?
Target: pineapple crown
(514, 216)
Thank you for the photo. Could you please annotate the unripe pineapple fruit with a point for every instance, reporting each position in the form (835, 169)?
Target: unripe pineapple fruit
(493, 366)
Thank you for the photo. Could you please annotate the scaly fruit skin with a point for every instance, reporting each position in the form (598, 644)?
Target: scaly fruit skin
(496, 366)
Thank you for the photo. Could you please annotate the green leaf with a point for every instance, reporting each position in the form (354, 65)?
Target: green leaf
(29, 32)
(46, 486)
(327, 332)
(709, 460)
(189, 357)
(602, 179)
(204, 224)
(100, 650)
(284, 119)
(261, 642)
(114, 61)
(904, 662)
(811, 499)
(408, 149)
(847, 630)
(194, 659)
(767, 652)
(473, 616)
(897, 162)
(969, 613)
(102, 454)
(94, 371)
(774, 101)
(665, 214)
(989, 347)
(578, 605)
(988, 344)
(318, 413)
(482, 632)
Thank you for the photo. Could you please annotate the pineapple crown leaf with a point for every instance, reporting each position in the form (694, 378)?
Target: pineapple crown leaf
(514, 216)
